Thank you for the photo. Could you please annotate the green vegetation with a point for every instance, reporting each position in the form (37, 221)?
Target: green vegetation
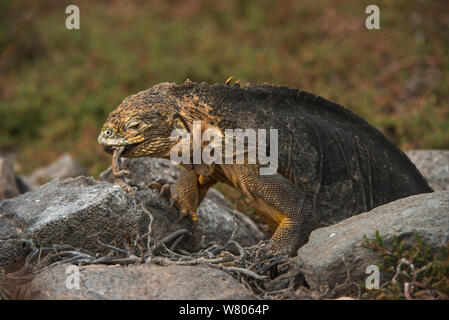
(57, 85)
(413, 272)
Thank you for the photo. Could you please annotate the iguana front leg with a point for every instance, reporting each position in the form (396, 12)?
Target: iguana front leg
(188, 191)
(279, 198)
(185, 193)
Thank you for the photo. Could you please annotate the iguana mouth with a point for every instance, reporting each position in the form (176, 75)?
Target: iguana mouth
(110, 143)
(110, 149)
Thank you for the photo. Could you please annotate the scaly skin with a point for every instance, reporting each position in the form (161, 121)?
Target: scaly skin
(331, 162)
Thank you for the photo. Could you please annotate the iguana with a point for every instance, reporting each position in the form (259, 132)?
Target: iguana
(332, 163)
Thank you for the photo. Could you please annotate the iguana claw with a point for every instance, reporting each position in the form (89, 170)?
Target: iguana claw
(165, 191)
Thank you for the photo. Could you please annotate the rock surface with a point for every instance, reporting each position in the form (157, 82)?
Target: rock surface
(433, 165)
(80, 211)
(63, 167)
(8, 185)
(321, 258)
(146, 281)
(144, 171)
(77, 212)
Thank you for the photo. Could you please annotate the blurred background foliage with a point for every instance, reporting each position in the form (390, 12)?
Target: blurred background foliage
(57, 86)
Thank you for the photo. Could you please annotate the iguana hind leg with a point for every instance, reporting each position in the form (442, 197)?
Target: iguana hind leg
(280, 199)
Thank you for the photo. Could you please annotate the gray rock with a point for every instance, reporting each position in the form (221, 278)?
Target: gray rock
(322, 257)
(144, 171)
(80, 211)
(23, 185)
(8, 185)
(63, 167)
(146, 281)
(433, 165)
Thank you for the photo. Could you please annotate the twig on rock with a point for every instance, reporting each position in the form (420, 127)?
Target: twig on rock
(170, 237)
(111, 247)
(238, 270)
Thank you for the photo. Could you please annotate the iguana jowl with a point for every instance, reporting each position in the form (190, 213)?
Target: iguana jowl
(332, 163)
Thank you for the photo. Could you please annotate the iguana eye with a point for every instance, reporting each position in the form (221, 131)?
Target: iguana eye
(133, 125)
(108, 132)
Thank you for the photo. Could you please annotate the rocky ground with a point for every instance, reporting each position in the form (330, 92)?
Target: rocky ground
(136, 247)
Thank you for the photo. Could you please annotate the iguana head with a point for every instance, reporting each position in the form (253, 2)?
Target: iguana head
(143, 124)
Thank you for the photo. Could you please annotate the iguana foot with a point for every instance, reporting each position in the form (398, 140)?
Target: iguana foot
(164, 190)
(184, 211)
(174, 200)
(155, 185)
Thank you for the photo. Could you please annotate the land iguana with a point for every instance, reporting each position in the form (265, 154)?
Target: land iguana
(332, 164)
